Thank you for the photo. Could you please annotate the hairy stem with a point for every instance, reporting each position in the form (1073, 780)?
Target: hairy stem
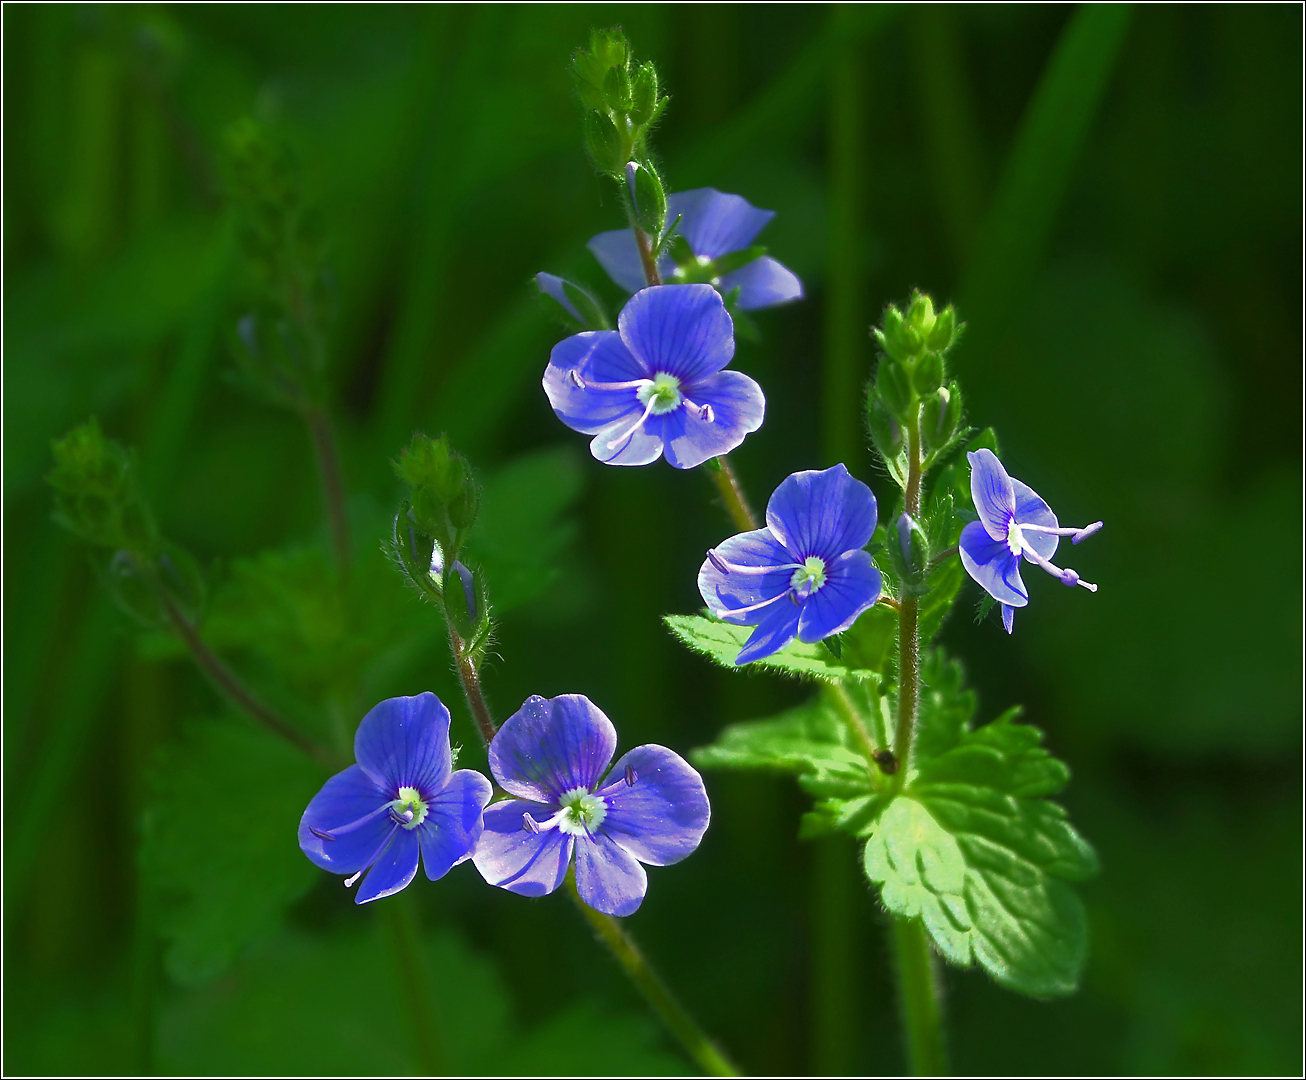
(333, 490)
(696, 1044)
(645, 243)
(471, 683)
(909, 658)
(229, 683)
(918, 998)
(942, 556)
(406, 947)
(733, 496)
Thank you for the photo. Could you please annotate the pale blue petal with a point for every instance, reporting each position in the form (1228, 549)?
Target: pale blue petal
(775, 629)
(991, 563)
(738, 406)
(551, 746)
(992, 492)
(714, 223)
(763, 283)
(552, 286)
(513, 858)
(661, 817)
(597, 356)
(404, 742)
(348, 798)
(393, 869)
(822, 513)
(453, 822)
(727, 591)
(1032, 510)
(618, 254)
(608, 878)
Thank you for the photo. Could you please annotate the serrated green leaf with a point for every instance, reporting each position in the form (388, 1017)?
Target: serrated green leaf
(219, 841)
(973, 849)
(721, 641)
(809, 739)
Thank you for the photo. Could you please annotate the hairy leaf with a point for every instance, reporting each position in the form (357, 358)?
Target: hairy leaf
(721, 641)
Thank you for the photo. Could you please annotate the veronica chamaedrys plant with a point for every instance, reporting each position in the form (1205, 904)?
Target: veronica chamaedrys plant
(655, 386)
(806, 574)
(552, 754)
(1014, 524)
(718, 230)
(402, 799)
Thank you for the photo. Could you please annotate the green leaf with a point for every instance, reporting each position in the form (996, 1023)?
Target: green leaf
(219, 841)
(973, 849)
(721, 641)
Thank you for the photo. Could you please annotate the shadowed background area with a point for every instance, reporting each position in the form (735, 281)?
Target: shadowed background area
(1112, 199)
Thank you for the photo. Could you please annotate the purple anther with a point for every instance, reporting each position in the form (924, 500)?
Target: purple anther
(573, 376)
(1086, 532)
(706, 412)
(1069, 577)
(402, 819)
(715, 560)
(321, 834)
(631, 776)
(793, 598)
(529, 824)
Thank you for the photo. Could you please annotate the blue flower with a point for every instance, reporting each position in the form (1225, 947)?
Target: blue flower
(650, 808)
(654, 385)
(714, 225)
(1014, 524)
(402, 799)
(805, 575)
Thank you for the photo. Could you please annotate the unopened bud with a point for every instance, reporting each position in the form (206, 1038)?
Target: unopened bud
(647, 197)
(941, 416)
(912, 545)
(604, 142)
(941, 337)
(927, 375)
(644, 94)
(892, 387)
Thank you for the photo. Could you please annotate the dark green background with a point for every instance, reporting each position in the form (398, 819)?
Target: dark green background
(1129, 266)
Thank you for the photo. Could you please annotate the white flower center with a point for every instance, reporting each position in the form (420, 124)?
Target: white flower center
(581, 812)
(661, 394)
(410, 809)
(809, 577)
(1015, 538)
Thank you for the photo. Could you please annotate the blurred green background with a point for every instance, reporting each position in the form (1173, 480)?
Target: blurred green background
(1113, 198)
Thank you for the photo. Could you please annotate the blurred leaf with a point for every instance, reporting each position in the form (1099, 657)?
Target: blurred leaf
(306, 1005)
(219, 841)
(721, 641)
(521, 530)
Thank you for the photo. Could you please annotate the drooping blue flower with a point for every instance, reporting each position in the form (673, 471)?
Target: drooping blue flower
(654, 386)
(400, 801)
(714, 225)
(552, 754)
(806, 574)
(1014, 524)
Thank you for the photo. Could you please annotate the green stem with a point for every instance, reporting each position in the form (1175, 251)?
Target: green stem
(696, 1044)
(909, 611)
(732, 494)
(405, 943)
(470, 678)
(918, 998)
(333, 489)
(834, 1006)
(645, 243)
(229, 683)
(843, 705)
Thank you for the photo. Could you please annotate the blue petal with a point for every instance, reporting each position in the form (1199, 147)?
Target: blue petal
(552, 286)
(404, 742)
(1008, 617)
(453, 822)
(991, 563)
(618, 254)
(682, 330)
(992, 492)
(852, 584)
(775, 629)
(607, 877)
(715, 223)
(549, 747)
(347, 798)
(395, 868)
(822, 513)
(526, 863)
(725, 591)
(1032, 510)
(626, 442)
(763, 283)
(661, 817)
(737, 406)
(597, 356)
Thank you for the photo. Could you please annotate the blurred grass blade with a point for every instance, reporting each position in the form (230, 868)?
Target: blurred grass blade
(1052, 136)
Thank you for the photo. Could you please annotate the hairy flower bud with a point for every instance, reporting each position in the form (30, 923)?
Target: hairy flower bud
(893, 387)
(941, 416)
(648, 198)
(644, 94)
(97, 494)
(606, 147)
(927, 374)
(445, 498)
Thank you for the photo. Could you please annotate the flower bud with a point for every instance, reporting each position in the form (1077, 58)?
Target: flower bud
(927, 374)
(96, 492)
(944, 332)
(445, 498)
(644, 94)
(941, 416)
(893, 387)
(913, 550)
(898, 339)
(467, 607)
(648, 198)
(616, 90)
(606, 147)
(920, 315)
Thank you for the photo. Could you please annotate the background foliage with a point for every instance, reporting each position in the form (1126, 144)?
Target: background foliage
(1114, 204)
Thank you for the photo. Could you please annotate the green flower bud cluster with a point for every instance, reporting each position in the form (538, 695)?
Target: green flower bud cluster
(429, 532)
(97, 494)
(621, 101)
(280, 344)
(911, 394)
(98, 498)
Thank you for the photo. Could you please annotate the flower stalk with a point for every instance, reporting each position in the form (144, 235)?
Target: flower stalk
(690, 1036)
(333, 490)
